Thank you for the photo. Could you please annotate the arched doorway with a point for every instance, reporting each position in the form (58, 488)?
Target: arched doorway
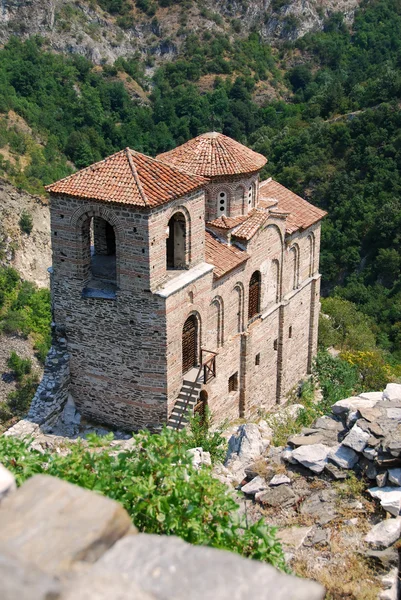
(176, 242)
(254, 295)
(189, 344)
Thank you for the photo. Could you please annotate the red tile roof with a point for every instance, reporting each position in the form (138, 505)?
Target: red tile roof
(224, 258)
(224, 222)
(212, 155)
(301, 215)
(129, 177)
(255, 220)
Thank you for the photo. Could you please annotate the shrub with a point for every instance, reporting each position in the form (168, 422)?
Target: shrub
(158, 486)
(20, 366)
(26, 222)
(20, 400)
(200, 436)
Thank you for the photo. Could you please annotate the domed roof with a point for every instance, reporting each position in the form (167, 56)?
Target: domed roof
(212, 155)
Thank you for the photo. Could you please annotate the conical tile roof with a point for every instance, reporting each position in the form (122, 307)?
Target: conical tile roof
(129, 177)
(213, 155)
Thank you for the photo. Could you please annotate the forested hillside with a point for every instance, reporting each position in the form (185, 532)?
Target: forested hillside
(324, 109)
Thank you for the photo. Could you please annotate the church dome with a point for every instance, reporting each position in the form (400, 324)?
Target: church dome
(214, 155)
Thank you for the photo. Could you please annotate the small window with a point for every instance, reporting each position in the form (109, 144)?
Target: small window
(257, 359)
(222, 203)
(233, 383)
(250, 197)
(275, 345)
(290, 331)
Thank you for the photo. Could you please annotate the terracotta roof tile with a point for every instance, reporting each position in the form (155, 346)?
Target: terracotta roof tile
(255, 220)
(212, 155)
(224, 258)
(224, 222)
(129, 177)
(301, 215)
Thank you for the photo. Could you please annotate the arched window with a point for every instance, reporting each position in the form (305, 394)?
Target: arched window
(294, 266)
(240, 305)
(221, 203)
(250, 195)
(102, 240)
(275, 281)
(176, 242)
(311, 249)
(254, 295)
(218, 321)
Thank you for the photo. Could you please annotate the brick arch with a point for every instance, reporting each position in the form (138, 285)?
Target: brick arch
(84, 212)
(188, 229)
(219, 303)
(280, 259)
(227, 190)
(277, 274)
(293, 253)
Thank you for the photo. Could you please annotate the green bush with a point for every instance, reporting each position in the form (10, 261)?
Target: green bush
(199, 436)
(19, 366)
(20, 400)
(158, 486)
(26, 222)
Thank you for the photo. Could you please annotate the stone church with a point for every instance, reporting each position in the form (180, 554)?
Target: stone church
(183, 281)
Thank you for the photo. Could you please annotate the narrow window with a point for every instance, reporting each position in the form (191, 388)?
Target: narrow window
(275, 345)
(257, 359)
(233, 383)
(222, 196)
(250, 203)
(290, 331)
(254, 295)
(103, 250)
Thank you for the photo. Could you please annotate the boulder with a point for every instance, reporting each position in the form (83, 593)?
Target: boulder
(21, 580)
(335, 472)
(394, 476)
(246, 444)
(356, 439)
(305, 440)
(313, 457)
(167, 567)
(392, 391)
(343, 456)
(390, 498)
(258, 484)
(343, 407)
(320, 506)
(385, 533)
(7, 482)
(390, 583)
(329, 424)
(53, 524)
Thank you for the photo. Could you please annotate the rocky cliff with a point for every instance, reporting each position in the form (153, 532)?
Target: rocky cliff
(83, 27)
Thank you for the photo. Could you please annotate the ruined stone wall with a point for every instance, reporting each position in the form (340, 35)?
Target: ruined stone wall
(236, 187)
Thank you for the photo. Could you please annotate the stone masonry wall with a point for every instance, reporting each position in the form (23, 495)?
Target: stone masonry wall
(236, 188)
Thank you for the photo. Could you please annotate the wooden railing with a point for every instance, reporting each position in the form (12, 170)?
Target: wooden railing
(209, 372)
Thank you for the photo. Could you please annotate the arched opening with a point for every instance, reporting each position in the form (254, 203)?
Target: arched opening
(254, 295)
(222, 203)
(103, 264)
(190, 344)
(176, 242)
(217, 316)
(311, 270)
(240, 305)
(294, 266)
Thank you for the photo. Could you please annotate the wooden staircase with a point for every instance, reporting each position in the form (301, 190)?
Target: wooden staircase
(185, 404)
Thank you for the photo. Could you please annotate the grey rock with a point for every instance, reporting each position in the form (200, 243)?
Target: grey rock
(381, 479)
(21, 580)
(386, 558)
(370, 453)
(343, 407)
(394, 476)
(390, 498)
(168, 567)
(313, 457)
(7, 482)
(377, 396)
(385, 533)
(320, 536)
(329, 424)
(246, 443)
(369, 414)
(320, 506)
(254, 469)
(392, 391)
(343, 456)
(390, 583)
(103, 584)
(335, 472)
(305, 440)
(287, 456)
(52, 524)
(258, 484)
(393, 413)
(279, 480)
(356, 439)
(199, 457)
(281, 495)
(293, 537)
